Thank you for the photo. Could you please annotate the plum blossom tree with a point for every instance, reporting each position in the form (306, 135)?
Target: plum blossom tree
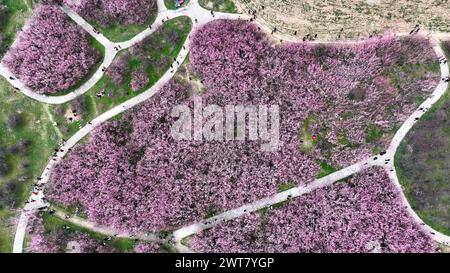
(306, 79)
(52, 53)
(147, 248)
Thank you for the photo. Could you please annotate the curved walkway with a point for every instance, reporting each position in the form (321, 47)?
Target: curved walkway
(284, 36)
(194, 11)
(106, 231)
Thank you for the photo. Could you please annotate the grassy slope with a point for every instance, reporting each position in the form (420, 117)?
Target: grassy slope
(170, 4)
(19, 10)
(427, 192)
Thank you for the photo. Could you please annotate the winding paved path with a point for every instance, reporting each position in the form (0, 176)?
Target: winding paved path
(194, 11)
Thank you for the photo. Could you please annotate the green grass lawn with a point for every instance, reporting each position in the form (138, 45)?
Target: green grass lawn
(308, 143)
(6, 231)
(219, 5)
(28, 145)
(53, 223)
(421, 162)
(17, 12)
(264, 211)
(326, 169)
(373, 133)
(170, 4)
(186, 240)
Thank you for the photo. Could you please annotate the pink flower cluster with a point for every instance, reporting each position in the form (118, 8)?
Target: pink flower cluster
(363, 214)
(139, 80)
(133, 175)
(52, 53)
(107, 12)
(60, 241)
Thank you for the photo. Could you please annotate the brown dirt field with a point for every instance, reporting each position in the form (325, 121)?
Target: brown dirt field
(357, 18)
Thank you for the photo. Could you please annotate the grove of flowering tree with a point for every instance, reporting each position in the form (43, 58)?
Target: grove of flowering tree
(52, 53)
(361, 214)
(133, 175)
(107, 12)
